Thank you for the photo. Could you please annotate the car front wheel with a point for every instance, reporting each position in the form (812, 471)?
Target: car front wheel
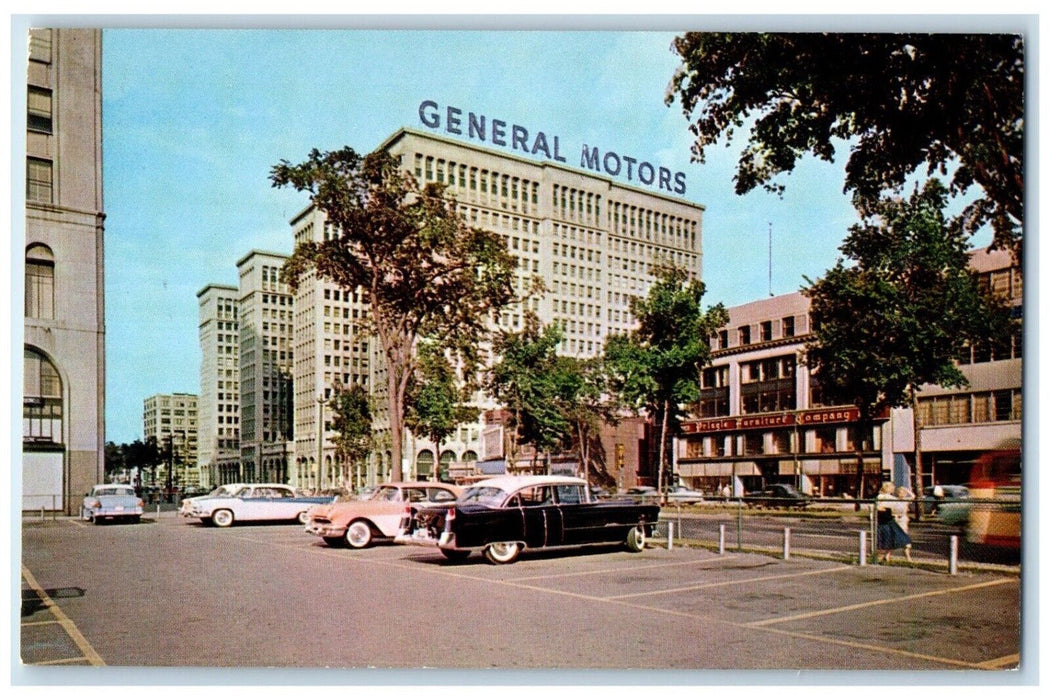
(303, 518)
(222, 518)
(636, 538)
(359, 534)
(502, 552)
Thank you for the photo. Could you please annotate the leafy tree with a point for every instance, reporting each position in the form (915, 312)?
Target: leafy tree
(422, 270)
(437, 401)
(656, 367)
(352, 422)
(524, 383)
(114, 458)
(582, 401)
(902, 101)
(898, 316)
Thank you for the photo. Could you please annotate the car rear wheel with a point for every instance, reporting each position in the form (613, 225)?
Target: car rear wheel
(502, 552)
(636, 538)
(222, 518)
(359, 534)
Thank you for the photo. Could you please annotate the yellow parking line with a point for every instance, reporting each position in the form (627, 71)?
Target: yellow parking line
(733, 582)
(882, 601)
(70, 628)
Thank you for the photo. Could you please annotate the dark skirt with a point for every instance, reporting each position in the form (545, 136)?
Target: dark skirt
(892, 536)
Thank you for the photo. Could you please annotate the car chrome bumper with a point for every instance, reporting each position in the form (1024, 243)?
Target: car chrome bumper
(323, 530)
(447, 540)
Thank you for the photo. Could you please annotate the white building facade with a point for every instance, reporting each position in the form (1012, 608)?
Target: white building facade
(264, 309)
(592, 239)
(219, 408)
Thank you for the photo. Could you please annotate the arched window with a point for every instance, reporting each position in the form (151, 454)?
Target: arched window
(424, 463)
(42, 400)
(40, 282)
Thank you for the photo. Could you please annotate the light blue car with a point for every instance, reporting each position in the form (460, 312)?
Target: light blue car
(111, 502)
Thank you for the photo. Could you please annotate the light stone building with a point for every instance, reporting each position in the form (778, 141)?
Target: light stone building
(218, 456)
(170, 421)
(591, 238)
(264, 308)
(64, 371)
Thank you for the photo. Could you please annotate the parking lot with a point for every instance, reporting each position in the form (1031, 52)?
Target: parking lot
(169, 592)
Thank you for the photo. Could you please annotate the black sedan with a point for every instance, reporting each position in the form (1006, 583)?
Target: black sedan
(778, 496)
(503, 516)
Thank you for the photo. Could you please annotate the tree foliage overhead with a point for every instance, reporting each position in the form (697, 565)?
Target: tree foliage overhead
(903, 101)
(900, 312)
(656, 367)
(422, 270)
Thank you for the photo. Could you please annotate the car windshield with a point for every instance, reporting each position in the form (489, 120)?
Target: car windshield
(386, 493)
(486, 495)
(115, 491)
(219, 491)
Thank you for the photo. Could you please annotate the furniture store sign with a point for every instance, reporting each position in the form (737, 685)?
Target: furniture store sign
(498, 132)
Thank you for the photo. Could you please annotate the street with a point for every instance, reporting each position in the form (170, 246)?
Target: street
(170, 592)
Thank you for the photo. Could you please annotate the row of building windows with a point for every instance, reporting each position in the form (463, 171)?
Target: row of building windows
(638, 222)
(820, 440)
(971, 408)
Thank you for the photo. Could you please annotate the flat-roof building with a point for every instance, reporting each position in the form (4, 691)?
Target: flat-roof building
(591, 238)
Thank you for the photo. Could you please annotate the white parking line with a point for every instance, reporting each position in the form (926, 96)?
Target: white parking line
(735, 582)
(881, 601)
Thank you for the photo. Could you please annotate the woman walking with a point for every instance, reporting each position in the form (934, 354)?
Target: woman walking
(890, 535)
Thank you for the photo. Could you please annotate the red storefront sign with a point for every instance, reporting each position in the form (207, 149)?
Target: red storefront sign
(823, 416)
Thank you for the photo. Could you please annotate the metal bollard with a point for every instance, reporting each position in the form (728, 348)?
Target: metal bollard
(863, 553)
(721, 538)
(953, 555)
(670, 535)
(787, 543)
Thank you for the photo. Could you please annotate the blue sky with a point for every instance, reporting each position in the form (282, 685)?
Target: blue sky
(194, 120)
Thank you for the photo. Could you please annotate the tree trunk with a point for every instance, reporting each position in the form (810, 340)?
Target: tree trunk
(917, 430)
(660, 459)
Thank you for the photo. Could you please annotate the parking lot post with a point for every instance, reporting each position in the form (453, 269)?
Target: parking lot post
(721, 538)
(862, 557)
(787, 543)
(953, 555)
(670, 534)
(739, 523)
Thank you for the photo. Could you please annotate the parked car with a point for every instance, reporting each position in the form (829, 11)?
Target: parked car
(357, 523)
(684, 496)
(186, 504)
(505, 515)
(949, 503)
(642, 493)
(111, 502)
(255, 502)
(778, 496)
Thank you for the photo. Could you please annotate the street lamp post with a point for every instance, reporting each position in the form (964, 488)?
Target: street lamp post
(320, 442)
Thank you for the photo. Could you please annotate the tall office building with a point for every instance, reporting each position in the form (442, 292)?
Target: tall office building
(63, 432)
(170, 420)
(591, 238)
(218, 457)
(264, 310)
(329, 348)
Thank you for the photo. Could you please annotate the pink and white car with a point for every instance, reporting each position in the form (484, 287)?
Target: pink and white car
(358, 523)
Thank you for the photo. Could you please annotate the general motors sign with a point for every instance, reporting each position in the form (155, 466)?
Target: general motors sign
(479, 127)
